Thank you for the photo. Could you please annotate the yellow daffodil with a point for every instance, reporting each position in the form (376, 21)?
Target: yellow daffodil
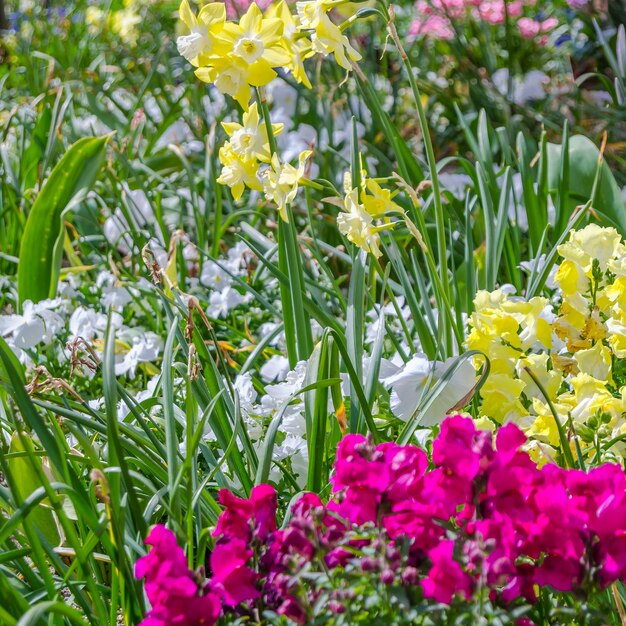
(249, 140)
(329, 39)
(299, 47)
(238, 172)
(378, 201)
(358, 225)
(280, 182)
(311, 12)
(198, 44)
(257, 42)
(230, 76)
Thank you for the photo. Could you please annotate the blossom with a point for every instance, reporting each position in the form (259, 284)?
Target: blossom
(411, 383)
(232, 578)
(280, 182)
(240, 515)
(198, 44)
(446, 577)
(358, 225)
(249, 140)
(171, 587)
(238, 172)
(245, 55)
(36, 324)
(329, 39)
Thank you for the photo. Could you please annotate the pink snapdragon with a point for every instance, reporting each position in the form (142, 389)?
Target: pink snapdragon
(438, 18)
(172, 588)
(483, 516)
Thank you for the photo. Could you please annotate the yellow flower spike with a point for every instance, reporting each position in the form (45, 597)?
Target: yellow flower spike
(199, 43)
(249, 140)
(238, 173)
(280, 182)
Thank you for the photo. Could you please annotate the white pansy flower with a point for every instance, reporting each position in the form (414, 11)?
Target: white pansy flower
(411, 383)
(275, 369)
(221, 303)
(36, 324)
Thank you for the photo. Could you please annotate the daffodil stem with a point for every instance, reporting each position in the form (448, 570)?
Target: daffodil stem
(442, 249)
(298, 336)
(260, 96)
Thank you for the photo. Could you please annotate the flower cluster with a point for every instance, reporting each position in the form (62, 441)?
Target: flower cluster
(480, 519)
(440, 18)
(235, 56)
(573, 347)
(362, 208)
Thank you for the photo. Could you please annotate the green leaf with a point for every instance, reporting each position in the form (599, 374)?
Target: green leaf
(583, 166)
(24, 481)
(40, 251)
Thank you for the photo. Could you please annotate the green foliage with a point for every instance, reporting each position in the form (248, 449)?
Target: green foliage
(41, 247)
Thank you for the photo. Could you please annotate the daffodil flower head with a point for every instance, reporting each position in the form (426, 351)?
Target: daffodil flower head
(249, 140)
(230, 76)
(379, 201)
(358, 225)
(280, 182)
(329, 39)
(257, 42)
(311, 12)
(299, 47)
(198, 44)
(237, 172)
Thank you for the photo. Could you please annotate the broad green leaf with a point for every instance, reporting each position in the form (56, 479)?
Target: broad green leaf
(40, 250)
(24, 480)
(583, 166)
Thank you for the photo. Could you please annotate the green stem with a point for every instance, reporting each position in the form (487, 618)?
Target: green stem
(442, 249)
(298, 336)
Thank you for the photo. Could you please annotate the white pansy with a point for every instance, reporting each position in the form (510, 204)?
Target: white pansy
(144, 347)
(410, 385)
(275, 369)
(114, 294)
(88, 324)
(221, 303)
(214, 276)
(36, 324)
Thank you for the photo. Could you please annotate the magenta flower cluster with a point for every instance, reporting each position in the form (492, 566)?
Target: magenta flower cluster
(479, 516)
(438, 18)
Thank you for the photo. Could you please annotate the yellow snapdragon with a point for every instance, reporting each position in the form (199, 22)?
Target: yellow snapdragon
(575, 355)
